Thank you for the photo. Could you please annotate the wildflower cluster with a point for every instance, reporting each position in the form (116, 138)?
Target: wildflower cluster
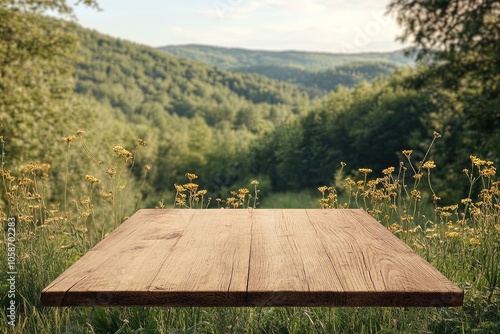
(189, 196)
(106, 184)
(121, 152)
(329, 198)
(473, 225)
(24, 193)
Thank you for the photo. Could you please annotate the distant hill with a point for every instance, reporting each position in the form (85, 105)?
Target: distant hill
(231, 58)
(321, 82)
(143, 82)
(317, 73)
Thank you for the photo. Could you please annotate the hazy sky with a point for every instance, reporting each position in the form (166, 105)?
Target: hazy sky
(312, 25)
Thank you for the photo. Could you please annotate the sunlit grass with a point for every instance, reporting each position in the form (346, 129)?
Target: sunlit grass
(460, 240)
(305, 199)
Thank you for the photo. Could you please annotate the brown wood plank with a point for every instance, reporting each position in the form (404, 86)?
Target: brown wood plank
(123, 261)
(338, 257)
(209, 265)
(289, 265)
(378, 269)
(251, 257)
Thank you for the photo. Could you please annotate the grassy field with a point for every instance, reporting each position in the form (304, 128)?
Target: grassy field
(462, 241)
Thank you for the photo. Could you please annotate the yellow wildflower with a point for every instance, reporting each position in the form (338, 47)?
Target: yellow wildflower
(179, 188)
(180, 201)
(85, 201)
(407, 153)
(474, 241)
(92, 179)
(488, 172)
(452, 235)
(191, 176)
(418, 176)
(111, 171)
(466, 200)
(396, 228)
(388, 170)
(418, 245)
(106, 195)
(191, 186)
(476, 161)
(322, 189)
(450, 207)
(349, 182)
(122, 152)
(364, 170)
(429, 165)
(255, 182)
(416, 195)
(69, 139)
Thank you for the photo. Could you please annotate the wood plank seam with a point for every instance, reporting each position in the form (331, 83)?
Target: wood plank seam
(167, 255)
(249, 256)
(288, 257)
(344, 288)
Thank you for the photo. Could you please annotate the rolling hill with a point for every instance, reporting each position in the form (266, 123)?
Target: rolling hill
(317, 73)
(231, 58)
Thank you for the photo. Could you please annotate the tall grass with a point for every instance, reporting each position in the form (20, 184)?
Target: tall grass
(461, 240)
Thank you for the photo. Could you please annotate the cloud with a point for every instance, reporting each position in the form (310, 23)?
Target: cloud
(322, 5)
(231, 8)
(295, 5)
(314, 25)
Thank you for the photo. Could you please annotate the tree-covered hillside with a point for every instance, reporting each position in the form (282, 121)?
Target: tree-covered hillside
(193, 116)
(321, 82)
(143, 82)
(229, 127)
(230, 58)
(317, 73)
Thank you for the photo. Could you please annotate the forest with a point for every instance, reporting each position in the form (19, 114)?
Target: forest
(317, 73)
(93, 128)
(203, 119)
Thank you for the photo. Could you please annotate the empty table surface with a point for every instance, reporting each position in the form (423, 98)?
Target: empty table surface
(245, 257)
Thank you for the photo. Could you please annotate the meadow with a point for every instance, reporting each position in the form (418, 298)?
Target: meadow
(461, 240)
(207, 133)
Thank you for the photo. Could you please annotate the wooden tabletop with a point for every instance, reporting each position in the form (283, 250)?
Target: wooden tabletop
(262, 257)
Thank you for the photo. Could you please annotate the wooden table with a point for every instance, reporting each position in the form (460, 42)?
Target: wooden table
(282, 257)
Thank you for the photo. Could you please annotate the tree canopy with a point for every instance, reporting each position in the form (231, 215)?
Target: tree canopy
(460, 40)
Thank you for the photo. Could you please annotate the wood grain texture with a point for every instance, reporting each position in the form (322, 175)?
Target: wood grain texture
(264, 257)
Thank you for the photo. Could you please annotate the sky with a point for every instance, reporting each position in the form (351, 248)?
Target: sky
(341, 26)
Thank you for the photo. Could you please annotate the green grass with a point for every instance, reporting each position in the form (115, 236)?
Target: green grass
(463, 242)
(304, 199)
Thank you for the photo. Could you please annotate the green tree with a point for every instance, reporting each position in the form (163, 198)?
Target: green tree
(35, 64)
(461, 39)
